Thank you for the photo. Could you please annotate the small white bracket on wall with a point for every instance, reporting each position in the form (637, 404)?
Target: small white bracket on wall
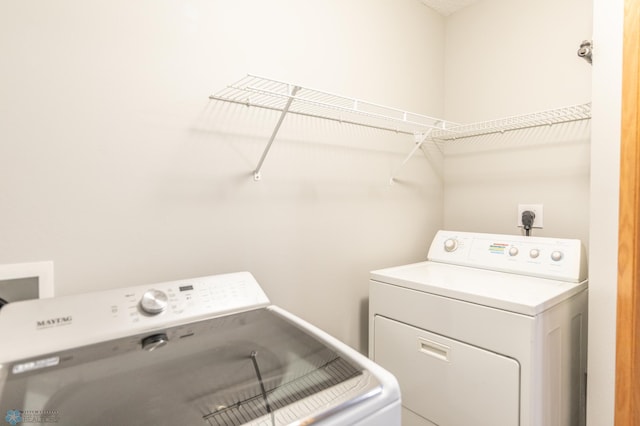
(585, 51)
(419, 138)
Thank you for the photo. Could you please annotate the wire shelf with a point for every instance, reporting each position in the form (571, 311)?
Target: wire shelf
(287, 98)
(518, 122)
(275, 95)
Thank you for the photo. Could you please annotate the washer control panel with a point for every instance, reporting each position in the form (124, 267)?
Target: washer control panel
(50, 324)
(555, 258)
(186, 299)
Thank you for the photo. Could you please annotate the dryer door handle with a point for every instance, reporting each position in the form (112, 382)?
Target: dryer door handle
(434, 349)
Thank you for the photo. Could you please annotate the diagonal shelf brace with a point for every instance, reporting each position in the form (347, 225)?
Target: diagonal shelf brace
(420, 138)
(285, 110)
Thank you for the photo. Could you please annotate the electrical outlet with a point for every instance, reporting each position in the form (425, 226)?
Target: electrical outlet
(536, 208)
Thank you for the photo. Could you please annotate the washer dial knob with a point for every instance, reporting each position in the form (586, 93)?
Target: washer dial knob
(153, 342)
(450, 244)
(154, 302)
(513, 251)
(557, 255)
(534, 253)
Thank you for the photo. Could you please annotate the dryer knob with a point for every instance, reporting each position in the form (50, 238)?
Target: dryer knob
(154, 302)
(450, 244)
(513, 251)
(534, 253)
(557, 256)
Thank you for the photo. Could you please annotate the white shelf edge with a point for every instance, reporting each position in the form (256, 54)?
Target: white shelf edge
(550, 117)
(254, 91)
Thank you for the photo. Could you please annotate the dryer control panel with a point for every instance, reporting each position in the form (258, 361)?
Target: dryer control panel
(554, 258)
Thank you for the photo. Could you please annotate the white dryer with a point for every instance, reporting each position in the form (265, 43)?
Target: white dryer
(490, 331)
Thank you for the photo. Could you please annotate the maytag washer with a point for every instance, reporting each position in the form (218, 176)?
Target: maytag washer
(490, 331)
(204, 351)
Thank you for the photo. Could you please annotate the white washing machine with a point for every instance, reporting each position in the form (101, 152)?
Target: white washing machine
(490, 331)
(204, 351)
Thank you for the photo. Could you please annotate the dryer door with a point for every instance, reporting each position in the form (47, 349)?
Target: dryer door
(445, 381)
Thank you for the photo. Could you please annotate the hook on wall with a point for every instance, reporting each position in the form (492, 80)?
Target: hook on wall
(586, 50)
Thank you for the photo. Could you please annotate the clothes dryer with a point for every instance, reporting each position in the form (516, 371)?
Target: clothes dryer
(490, 331)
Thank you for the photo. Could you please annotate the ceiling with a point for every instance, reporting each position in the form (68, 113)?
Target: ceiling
(447, 7)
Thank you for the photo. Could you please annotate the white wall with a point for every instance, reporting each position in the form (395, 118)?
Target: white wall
(512, 57)
(115, 165)
(605, 173)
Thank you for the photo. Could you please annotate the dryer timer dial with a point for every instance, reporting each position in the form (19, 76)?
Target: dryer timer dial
(450, 244)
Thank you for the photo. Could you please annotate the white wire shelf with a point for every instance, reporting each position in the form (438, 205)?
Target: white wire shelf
(254, 91)
(287, 98)
(552, 117)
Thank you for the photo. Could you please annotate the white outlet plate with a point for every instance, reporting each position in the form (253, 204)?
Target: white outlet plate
(536, 208)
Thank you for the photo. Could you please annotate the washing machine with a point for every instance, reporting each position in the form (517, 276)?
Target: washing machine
(204, 351)
(490, 330)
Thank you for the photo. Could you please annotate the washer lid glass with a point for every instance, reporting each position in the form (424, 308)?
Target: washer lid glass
(254, 367)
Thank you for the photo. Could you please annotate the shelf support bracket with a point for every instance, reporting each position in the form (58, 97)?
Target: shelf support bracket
(420, 138)
(285, 110)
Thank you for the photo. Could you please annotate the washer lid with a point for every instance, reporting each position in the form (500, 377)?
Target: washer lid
(511, 292)
(259, 367)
